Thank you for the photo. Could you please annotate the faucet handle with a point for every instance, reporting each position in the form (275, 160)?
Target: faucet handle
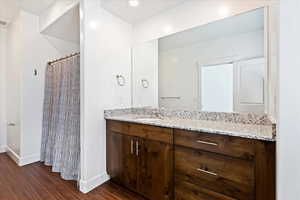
(11, 124)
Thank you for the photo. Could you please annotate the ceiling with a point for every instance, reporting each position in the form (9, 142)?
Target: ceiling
(70, 19)
(247, 22)
(9, 8)
(67, 27)
(149, 8)
(146, 8)
(35, 6)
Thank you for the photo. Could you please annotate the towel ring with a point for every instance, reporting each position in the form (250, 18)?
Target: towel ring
(145, 83)
(121, 80)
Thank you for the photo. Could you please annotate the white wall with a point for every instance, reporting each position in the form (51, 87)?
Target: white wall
(145, 66)
(60, 25)
(105, 53)
(13, 85)
(58, 9)
(288, 151)
(2, 89)
(178, 68)
(28, 50)
(33, 86)
(8, 10)
(191, 14)
(62, 46)
(273, 58)
(67, 27)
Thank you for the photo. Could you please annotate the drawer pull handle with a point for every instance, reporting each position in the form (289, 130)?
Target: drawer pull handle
(207, 172)
(207, 143)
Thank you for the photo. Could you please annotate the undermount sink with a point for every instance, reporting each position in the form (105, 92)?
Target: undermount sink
(148, 119)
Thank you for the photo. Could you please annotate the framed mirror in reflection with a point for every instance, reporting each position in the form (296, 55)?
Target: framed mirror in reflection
(218, 67)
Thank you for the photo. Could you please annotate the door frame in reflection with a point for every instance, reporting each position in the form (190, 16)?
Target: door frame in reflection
(236, 64)
(225, 105)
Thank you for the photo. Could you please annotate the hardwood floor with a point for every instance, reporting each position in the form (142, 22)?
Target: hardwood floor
(37, 182)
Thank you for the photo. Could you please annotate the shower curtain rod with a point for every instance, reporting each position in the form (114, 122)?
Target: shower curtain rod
(60, 59)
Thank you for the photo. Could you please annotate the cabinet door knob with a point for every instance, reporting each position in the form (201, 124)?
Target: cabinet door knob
(137, 148)
(11, 124)
(131, 147)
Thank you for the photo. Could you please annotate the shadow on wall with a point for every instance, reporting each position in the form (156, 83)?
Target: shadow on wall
(62, 46)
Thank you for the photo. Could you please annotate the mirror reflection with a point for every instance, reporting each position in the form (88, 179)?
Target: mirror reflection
(217, 67)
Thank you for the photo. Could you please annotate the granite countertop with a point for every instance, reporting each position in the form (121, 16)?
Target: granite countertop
(258, 131)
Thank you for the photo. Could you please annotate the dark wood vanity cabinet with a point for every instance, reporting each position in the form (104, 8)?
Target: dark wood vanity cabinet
(156, 170)
(165, 164)
(141, 159)
(213, 167)
(122, 165)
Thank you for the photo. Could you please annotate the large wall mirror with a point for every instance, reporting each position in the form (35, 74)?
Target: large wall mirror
(218, 67)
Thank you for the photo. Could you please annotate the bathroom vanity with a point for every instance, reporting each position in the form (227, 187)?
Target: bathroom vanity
(186, 159)
(210, 138)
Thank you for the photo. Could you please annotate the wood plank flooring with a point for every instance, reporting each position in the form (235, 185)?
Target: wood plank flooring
(37, 182)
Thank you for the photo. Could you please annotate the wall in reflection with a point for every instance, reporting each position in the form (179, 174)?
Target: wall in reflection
(216, 67)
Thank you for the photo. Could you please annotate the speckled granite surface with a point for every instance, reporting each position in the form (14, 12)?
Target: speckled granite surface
(233, 124)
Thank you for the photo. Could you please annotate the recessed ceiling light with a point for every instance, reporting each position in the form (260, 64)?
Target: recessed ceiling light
(93, 24)
(133, 3)
(168, 29)
(224, 11)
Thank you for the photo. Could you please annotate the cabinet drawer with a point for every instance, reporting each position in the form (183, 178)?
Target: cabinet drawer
(185, 190)
(152, 132)
(117, 126)
(228, 145)
(229, 176)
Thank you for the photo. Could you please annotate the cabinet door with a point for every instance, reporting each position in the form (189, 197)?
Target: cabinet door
(121, 159)
(114, 155)
(155, 170)
(129, 162)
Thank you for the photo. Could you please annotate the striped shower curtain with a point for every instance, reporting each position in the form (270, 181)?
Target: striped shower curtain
(61, 118)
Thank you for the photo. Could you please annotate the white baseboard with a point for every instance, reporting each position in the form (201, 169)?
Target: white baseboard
(90, 184)
(13, 155)
(2, 149)
(22, 161)
(29, 159)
